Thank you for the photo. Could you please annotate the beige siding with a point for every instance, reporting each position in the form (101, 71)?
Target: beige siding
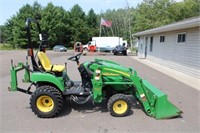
(184, 57)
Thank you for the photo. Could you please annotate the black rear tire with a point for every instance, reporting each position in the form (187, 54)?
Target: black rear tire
(125, 52)
(119, 105)
(46, 101)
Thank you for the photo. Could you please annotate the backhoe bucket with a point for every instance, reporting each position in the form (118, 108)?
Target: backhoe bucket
(158, 105)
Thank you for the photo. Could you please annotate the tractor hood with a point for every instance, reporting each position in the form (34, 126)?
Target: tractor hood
(114, 67)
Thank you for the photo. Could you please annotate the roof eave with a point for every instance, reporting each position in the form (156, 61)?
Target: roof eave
(171, 27)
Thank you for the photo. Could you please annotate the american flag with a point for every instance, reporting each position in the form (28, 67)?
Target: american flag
(106, 22)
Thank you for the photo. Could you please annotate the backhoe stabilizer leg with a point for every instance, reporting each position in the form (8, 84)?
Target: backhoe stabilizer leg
(13, 82)
(13, 74)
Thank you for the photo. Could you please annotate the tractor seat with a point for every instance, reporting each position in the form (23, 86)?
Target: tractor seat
(46, 64)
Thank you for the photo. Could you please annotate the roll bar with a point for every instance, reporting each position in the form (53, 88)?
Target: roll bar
(28, 22)
(30, 45)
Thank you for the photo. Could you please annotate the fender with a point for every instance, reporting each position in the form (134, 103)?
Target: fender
(47, 77)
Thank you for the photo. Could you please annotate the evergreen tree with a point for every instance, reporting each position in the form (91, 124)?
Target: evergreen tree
(91, 19)
(79, 28)
(56, 24)
(16, 25)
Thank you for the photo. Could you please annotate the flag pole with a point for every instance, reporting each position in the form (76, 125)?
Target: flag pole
(100, 29)
(104, 30)
(112, 31)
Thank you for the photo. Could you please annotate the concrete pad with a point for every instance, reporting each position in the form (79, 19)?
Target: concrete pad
(184, 78)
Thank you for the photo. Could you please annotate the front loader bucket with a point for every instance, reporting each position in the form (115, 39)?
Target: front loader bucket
(157, 104)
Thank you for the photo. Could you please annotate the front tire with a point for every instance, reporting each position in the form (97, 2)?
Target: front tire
(46, 101)
(119, 105)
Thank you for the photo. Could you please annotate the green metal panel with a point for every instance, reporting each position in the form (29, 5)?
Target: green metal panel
(116, 82)
(26, 74)
(160, 106)
(141, 95)
(165, 109)
(113, 67)
(97, 90)
(13, 82)
(13, 74)
(106, 61)
(47, 77)
(109, 74)
(97, 84)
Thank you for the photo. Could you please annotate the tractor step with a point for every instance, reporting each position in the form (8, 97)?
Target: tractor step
(77, 89)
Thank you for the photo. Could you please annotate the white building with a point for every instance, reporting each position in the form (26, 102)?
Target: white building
(176, 46)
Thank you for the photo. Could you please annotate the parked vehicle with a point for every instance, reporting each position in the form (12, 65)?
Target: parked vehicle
(59, 48)
(104, 44)
(120, 49)
(106, 49)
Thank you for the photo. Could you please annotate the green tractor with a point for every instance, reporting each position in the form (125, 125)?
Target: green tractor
(101, 79)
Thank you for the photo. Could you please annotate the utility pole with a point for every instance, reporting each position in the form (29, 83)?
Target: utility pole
(129, 23)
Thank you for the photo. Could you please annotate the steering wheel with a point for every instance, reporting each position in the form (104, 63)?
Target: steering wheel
(75, 58)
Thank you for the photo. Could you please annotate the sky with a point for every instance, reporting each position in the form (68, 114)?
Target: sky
(8, 8)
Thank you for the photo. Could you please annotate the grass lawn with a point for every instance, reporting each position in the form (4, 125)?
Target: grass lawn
(4, 46)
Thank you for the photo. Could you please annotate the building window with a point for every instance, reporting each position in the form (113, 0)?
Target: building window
(162, 39)
(181, 38)
(151, 44)
(141, 43)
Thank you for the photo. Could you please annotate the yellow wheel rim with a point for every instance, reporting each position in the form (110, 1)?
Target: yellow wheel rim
(45, 103)
(120, 107)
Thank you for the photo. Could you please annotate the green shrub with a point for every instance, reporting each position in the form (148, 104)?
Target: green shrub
(4, 46)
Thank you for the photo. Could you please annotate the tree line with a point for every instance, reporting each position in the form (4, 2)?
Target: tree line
(66, 27)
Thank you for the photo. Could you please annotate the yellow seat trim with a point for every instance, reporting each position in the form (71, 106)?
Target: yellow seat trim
(46, 64)
(58, 68)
